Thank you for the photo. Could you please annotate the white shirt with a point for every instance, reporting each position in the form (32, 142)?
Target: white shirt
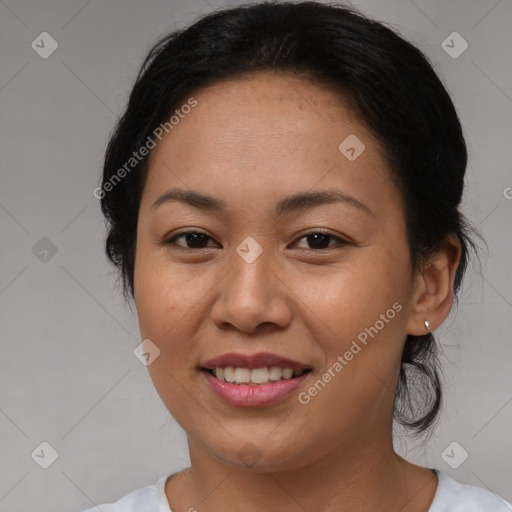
(450, 496)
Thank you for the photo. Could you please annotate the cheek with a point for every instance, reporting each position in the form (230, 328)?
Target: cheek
(357, 314)
(163, 299)
(163, 294)
(169, 309)
(364, 307)
(352, 295)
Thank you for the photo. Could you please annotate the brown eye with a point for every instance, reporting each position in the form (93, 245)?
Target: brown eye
(319, 240)
(193, 239)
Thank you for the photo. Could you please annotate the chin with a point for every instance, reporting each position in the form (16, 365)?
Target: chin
(244, 454)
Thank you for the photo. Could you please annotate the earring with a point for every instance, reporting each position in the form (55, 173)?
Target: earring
(427, 325)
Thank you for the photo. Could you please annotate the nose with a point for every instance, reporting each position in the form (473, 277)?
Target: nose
(253, 296)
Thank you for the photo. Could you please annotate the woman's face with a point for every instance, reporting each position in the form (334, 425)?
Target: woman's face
(324, 283)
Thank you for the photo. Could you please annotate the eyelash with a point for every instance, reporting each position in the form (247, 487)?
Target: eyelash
(171, 241)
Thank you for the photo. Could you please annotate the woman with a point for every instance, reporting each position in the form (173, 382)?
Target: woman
(283, 198)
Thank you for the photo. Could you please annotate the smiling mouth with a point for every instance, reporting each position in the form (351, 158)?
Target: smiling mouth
(255, 376)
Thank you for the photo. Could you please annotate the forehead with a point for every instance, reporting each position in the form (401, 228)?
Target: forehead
(268, 135)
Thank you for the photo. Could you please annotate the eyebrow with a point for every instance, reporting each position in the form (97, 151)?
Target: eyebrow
(298, 202)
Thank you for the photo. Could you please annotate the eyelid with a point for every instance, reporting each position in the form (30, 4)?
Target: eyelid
(323, 231)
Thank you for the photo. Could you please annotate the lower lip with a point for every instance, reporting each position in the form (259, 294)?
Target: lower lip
(245, 395)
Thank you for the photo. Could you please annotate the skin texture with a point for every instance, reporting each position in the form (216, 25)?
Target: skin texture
(250, 142)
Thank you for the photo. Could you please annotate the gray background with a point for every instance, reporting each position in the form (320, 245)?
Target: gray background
(68, 375)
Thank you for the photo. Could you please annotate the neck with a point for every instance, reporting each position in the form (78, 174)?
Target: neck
(368, 476)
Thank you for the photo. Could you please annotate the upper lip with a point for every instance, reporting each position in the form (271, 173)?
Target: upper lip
(261, 359)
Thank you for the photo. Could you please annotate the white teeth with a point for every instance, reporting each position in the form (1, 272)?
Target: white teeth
(287, 373)
(242, 375)
(276, 373)
(259, 375)
(229, 374)
(256, 375)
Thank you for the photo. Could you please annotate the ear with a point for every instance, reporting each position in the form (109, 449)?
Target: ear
(433, 292)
